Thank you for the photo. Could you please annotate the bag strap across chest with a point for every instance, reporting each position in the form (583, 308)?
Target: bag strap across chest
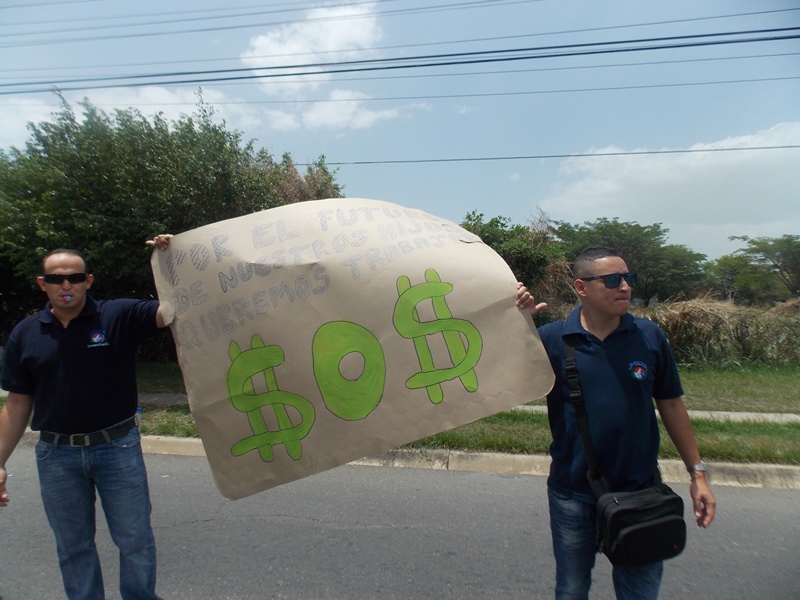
(597, 481)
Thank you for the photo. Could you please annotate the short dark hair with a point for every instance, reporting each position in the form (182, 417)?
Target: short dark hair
(589, 255)
(67, 251)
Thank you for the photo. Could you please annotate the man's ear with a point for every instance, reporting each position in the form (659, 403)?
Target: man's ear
(580, 287)
(42, 284)
(89, 280)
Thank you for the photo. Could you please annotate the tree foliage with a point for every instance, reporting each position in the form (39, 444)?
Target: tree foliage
(529, 250)
(665, 270)
(106, 183)
(738, 280)
(767, 271)
(780, 256)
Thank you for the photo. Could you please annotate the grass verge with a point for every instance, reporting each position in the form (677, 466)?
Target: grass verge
(522, 432)
(752, 389)
(173, 420)
(755, 388)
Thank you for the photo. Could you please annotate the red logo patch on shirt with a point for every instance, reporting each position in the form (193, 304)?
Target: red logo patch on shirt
(638, 370)
(97, 338)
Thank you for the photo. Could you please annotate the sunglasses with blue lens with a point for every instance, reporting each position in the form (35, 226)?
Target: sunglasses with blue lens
(58, 279)
(614, 280)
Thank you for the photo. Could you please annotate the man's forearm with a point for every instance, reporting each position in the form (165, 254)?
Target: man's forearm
(13, 421)
(679, 427)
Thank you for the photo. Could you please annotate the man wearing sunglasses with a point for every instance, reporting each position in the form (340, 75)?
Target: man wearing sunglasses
(624, 363)
(72, 366)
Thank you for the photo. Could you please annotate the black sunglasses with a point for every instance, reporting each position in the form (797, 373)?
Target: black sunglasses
(58, 279)
(614, 280)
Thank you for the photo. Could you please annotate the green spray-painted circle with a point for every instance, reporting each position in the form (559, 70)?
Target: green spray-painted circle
(349, 399)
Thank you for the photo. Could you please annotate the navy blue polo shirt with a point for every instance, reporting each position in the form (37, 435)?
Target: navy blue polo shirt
(83, 377)
(620, 377)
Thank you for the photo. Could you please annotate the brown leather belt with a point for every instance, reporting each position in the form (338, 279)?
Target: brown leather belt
(81, 440)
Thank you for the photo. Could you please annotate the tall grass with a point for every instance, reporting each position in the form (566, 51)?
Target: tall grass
(709, 333)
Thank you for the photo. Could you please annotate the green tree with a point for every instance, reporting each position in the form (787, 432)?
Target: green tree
(780, 256)
(319, 182)
(105, 183)
(529, 250)
(669, 272)
(738, 280)
(665, 270)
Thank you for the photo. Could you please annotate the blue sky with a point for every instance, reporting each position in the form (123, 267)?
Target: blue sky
(574, 136)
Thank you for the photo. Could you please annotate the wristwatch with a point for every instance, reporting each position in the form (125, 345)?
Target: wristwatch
(701, 467)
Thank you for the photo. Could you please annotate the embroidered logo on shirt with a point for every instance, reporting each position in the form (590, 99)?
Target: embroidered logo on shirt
(638, 370)
(97, 338)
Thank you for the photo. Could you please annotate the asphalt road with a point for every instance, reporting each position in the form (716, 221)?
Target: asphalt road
(375, 532)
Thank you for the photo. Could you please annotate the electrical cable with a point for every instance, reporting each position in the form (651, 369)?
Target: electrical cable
(451, 59)
(551, 156)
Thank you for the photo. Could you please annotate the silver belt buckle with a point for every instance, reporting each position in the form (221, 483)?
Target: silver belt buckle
(84, 442)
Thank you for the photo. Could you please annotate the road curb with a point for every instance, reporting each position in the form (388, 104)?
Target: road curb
(672, 471)
(707, 415)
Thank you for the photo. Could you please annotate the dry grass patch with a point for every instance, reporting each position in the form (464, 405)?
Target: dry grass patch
(708, 332)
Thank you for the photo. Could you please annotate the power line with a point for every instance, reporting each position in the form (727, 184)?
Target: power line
(478, 94)
(145, 16)
(491, 3)
(27, 5)
(452, 59)
(551, 156)
(572, 68)
(295, 9)
(493, 72)
(648, 63)
(524, 93)
(389, 13)
(418, 45)
(185, 19)
(454, 96)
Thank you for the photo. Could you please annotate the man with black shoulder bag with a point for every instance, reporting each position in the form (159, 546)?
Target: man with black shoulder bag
(605, 490)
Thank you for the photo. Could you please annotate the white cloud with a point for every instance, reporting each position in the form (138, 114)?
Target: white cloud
(345, 111)
(327, 35)
(14, 119)
(701, 198)
(281, 120)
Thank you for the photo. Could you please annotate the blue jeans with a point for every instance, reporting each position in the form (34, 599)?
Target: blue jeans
(574, 530)
(68, 478)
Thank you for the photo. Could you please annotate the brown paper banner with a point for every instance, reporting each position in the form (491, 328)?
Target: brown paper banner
(314, 334)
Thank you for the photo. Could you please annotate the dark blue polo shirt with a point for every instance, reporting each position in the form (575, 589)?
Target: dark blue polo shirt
(83, 377)
(620, 377)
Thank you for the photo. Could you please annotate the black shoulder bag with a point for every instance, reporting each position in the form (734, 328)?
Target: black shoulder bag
(633, 528)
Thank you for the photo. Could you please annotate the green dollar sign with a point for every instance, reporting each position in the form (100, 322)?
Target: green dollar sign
(407, 323)
(241, 393)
